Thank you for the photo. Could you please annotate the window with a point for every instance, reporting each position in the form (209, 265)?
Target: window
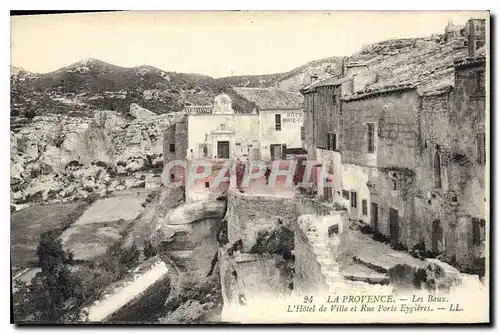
(172, 176)
(172, 147)
(371, 137)
(354, 199)
(334, 229)
(207, 184)
(334, 99)
(331, 142)
(481, 152)
(364, 206)
(277, 122)
(302, 133)
(437, 171)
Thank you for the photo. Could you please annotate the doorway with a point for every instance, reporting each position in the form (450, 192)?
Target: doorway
(394, 226)
(276, 151)
(223, 149)
(374, 217)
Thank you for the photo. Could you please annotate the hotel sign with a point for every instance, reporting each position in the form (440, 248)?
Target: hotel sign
(293, 117)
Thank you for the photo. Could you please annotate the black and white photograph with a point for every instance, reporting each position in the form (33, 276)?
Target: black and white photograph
(250, 167)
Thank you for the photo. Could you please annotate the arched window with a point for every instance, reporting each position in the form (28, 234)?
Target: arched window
(437, 170)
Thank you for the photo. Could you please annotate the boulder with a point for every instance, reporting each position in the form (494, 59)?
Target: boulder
(139, 112)
(186, 238)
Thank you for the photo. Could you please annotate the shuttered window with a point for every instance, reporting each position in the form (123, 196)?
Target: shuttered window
(354, 199)
(371, 137)
(331, 142)
(277, 122)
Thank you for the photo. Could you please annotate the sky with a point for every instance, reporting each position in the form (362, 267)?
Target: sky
(217, 44)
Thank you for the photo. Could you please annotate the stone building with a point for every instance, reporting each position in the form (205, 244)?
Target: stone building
(409, 126)
(261, 124)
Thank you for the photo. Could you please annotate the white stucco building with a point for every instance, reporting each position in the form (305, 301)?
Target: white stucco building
(265, 123)
(246, 124)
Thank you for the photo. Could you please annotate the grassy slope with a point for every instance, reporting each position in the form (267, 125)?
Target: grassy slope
(27, 225)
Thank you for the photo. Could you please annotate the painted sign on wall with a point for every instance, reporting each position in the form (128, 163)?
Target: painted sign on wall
(293, 117)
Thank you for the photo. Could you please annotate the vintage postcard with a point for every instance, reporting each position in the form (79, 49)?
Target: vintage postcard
(250, 167)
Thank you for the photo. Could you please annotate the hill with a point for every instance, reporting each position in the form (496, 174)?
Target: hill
(94, 84)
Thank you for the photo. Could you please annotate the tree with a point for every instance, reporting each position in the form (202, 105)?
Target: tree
(54, 294)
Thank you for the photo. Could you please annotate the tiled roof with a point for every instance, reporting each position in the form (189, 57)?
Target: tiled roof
(270, 98)
(197, 110)
(333, 81)
(468, 61)
(410, 69)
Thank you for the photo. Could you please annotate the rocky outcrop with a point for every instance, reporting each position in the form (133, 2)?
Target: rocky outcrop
(139, 112)
(78, 155)
(186, 238)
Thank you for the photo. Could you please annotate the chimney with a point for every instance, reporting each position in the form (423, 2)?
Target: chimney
(354, 68)
(472, 39)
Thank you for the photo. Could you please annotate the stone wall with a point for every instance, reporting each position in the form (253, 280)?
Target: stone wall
(317, 248)
(168, 140)
(395, 126)
(247, 215)
(327, 115)
(181, 137)
(309, 134)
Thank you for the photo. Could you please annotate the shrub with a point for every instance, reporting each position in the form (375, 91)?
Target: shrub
(130, 257)
(420, 251)
(339, 207)
(149, 251)
(402, 275)
(419, 277)
(399, 247)
(377, 236)
(366, 229)
(237, 246)
(222, 234)
(279, 241)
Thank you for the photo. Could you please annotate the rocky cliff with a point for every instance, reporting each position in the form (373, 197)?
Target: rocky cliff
(62, 158)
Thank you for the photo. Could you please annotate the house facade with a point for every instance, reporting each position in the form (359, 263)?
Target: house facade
(263, 125)
(412, 142)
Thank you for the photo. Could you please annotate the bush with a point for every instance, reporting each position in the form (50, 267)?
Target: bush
(420, 251)
(402, 275)
(377, 236)
(130, 257)
(366, 229)
(222, 234)
(419, 277)
(339, 207)
(149, 251)
(279, 241)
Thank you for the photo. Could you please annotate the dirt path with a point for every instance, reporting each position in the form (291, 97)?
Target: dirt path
(109, 306)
